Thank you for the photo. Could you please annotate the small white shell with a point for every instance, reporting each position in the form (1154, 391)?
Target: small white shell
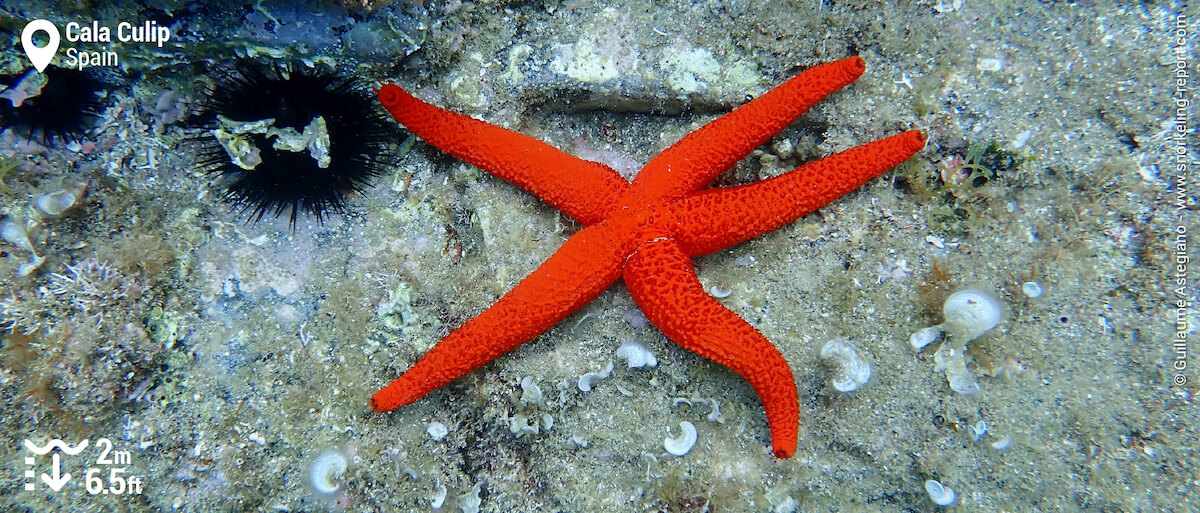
(924, 337)
(1003, 443)
(1021, 140)
(32, 265)
(519, 425)
(586, 381)
(469, 502)
(989, 64)
(326, 470)
(55, 203)
(850, 371)
(683, 444)
(437, 431)
(978, 430)
(1032, 289)
(939, 493)
(439, 496)
(15, 234)
(715, 414)
(636, 355)
(972, 312)
(952, 360)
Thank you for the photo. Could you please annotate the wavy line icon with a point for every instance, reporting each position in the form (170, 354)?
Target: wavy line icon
(55, 444)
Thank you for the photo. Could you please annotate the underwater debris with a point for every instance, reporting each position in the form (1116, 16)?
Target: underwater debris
(530, 392)
(636, 355)
(952, 361)
(30, 85)
(14, 233)
(714, 415)
(969, 313)
(437, 431)
(470, 500)
(520, 425)
(19, 316)
(94, 288)
(850, 371)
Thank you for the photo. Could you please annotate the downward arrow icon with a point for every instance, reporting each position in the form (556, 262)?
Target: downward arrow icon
(57, 482)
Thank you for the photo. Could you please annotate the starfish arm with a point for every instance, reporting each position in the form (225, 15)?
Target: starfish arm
(718, 218)
(699, 157)
(582, 189)
(663, 283)
(580, 270)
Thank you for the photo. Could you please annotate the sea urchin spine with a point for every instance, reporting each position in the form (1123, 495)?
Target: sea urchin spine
(58, 104)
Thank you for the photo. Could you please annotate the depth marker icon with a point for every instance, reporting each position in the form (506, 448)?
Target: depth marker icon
(58, 479)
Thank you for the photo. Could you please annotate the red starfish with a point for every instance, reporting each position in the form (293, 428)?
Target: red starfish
(647, 232)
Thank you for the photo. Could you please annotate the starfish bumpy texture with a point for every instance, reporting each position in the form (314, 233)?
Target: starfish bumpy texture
(647, 232)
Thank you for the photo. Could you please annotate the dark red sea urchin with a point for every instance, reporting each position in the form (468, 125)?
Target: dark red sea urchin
(348, 139)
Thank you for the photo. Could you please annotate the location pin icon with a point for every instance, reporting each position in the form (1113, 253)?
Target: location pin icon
(40, 57)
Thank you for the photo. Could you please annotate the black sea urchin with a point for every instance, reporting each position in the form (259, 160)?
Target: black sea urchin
(65, 108)
(287, 138)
